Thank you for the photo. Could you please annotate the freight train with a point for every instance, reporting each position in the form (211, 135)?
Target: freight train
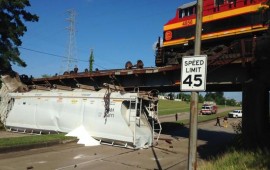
(224, 21)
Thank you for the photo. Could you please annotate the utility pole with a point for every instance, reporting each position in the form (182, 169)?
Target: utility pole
(193, 132)
(91, 60)
(71, 58)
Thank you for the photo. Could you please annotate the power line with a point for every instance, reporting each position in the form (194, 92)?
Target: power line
(56, 55)
(41, 52)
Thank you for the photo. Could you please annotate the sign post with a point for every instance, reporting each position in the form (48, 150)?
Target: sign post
(193, 78)
(192, 145)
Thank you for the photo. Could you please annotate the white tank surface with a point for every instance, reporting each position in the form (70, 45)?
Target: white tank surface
(109, 115)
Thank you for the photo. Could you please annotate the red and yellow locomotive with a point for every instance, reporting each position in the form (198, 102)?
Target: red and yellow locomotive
(223, 22)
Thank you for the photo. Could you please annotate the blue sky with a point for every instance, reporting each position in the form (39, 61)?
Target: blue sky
(117, 30)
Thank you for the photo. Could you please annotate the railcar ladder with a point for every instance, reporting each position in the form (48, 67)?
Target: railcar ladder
(132, 115)
(152, 110)
(157, 128)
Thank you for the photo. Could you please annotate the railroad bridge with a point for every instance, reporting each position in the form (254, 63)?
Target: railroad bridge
(243, 66)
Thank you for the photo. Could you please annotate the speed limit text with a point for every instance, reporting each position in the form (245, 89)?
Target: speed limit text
(194, 66)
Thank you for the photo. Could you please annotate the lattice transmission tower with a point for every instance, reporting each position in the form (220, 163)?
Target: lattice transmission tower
(71, 57)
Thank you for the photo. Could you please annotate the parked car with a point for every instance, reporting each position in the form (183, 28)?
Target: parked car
(235, 114)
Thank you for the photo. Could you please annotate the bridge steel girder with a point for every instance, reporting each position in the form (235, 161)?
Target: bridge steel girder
(165, 79)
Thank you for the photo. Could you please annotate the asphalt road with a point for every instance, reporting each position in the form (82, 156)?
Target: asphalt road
(166, 155)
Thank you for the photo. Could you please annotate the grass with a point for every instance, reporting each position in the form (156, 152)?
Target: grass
(32, 139)
(166, 107)
(234, 159)
(203, 118)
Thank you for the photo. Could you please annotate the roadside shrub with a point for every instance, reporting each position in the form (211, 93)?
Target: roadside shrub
(237, 127)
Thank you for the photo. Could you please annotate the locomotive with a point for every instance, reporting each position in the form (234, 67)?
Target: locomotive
(223, 22)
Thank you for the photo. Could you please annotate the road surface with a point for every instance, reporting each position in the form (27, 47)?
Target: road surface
(166, 155)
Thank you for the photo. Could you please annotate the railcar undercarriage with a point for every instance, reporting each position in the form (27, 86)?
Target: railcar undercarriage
(231, 51)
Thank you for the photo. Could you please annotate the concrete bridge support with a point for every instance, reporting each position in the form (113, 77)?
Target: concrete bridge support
(255, 121)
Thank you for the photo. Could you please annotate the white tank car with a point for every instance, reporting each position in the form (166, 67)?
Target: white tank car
(109, 115)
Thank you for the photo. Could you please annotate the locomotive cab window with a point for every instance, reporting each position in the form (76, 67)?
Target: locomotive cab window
(187, 9)
(187, 12)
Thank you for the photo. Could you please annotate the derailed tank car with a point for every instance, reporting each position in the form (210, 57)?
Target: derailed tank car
(109, 115)
(223, 23)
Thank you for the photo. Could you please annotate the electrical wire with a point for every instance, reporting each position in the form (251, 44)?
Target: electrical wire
(56, 55)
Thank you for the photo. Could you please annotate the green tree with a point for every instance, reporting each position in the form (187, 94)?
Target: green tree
(183, 96)
(200, 98)
(231, 102)
(209, 96)
(220, 99)
(91, 61)
(12, 28)
(217, 97)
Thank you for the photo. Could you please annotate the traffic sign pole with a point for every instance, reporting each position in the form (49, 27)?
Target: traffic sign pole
(192, 151)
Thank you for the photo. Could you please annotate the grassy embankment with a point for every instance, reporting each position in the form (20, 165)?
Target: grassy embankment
(239, 159)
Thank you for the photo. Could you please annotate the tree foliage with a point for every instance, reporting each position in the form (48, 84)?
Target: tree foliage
(200, 98)
(12, 28)
(231, 102)
(183, 96)
(217, 97)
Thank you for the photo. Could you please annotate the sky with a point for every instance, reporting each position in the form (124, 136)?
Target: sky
(117, 30)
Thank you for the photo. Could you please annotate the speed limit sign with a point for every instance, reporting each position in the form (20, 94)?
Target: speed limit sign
(193, 73)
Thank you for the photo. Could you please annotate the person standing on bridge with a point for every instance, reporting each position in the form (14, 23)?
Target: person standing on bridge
(176, 117)
(218, 121)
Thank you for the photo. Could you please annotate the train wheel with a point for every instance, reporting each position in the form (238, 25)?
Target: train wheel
(128, 65)
(140, 64)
